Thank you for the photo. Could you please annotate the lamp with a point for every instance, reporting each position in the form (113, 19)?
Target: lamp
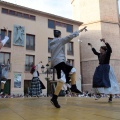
(47, 66)
(42, 68)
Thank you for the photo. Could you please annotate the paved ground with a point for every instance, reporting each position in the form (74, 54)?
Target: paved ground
(72, 108)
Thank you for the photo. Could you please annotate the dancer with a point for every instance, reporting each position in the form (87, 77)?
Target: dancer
(2, 43)
(36, 84)
(104, 80)
(4, 78)
(58, 61)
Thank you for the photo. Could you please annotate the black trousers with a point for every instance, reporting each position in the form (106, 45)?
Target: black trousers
(65, 68)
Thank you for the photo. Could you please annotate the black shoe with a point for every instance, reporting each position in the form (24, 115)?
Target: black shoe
(75, 90)
(55, 103)
(110, 99)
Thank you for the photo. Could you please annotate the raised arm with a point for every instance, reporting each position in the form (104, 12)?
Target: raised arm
(95, 52)
(38, 66)
(68, 38)
(93, 49)
(109, 49)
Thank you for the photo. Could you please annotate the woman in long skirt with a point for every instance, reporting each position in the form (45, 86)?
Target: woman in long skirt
(104, 80)
(36, 84)
(4, 78)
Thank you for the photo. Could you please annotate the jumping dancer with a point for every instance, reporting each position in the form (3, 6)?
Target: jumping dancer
(58, 61)
(104, 80)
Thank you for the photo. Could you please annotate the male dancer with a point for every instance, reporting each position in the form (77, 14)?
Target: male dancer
(58, 61)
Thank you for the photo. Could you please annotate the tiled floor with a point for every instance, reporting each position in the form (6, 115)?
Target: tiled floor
(72, 108)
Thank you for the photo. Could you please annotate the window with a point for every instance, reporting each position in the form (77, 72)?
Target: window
(32, 17)
(70, 61)
(29, 62)
(49, 40)
(51, 24)
(25, 15)
(69, 28)
(70, 48)
(8, 44)
(30, 42)
(18, 14)
(4, 10)
(11, 12)
(4, 57)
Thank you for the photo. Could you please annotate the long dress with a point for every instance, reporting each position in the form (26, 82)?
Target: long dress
(36, 84)
(4, 78)
(104, 80)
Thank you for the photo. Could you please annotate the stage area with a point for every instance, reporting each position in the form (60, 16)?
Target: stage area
(72, 108)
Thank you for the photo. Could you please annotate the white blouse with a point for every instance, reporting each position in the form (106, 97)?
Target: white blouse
(36, 69)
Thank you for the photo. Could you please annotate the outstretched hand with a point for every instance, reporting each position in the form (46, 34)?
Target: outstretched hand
(102, 40)
(83, 29)
(90, 45)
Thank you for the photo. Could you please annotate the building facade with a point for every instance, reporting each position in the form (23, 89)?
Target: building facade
(102, 19)
(30, 33)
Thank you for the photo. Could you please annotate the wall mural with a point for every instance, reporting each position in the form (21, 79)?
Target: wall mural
(19, 35)
(17, 80)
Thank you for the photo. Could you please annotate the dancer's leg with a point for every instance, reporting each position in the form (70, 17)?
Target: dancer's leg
(56, 93)
(73, 84)
(110, 98)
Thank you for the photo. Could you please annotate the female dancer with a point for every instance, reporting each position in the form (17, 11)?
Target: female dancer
(36, 84)
(104, 80)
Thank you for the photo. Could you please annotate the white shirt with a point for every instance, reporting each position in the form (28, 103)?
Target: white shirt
(36, 69)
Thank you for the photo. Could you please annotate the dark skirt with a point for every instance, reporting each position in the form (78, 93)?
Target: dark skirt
(35, 89)
(101, 76)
